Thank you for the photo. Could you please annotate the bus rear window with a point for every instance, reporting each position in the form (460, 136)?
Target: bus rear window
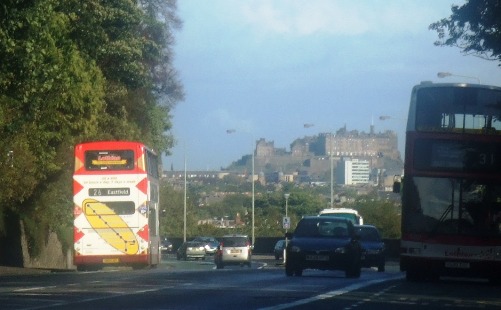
(109, 160)
(113, 208)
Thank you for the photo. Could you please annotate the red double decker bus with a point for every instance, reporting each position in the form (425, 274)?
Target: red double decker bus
(451, 193)
(116, 202)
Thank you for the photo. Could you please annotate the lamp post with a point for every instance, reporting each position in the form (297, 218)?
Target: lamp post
(447, 74)
(184, 200)
(230, 131)
(308, 125)
(332, 171)
(252, 180)
(286, 196)
(387, 117)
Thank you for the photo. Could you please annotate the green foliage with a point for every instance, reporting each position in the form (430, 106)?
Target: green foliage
(172, 209)
(474, 27)
(385, 215)
(269, 209)
(75, 71)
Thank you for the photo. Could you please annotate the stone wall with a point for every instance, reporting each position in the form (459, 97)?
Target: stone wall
(51, 256)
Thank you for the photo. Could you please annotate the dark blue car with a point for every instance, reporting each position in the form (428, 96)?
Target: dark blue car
(373, 248)
(325, 243)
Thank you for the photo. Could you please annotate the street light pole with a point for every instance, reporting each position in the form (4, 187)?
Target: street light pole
(184, 200)
(332, 176)
(331, 159)
(252, 180)
(286, 196)
(447, 74)
(230, 131)
(331, 169)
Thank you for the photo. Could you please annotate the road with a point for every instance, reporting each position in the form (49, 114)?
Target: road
(197, 285)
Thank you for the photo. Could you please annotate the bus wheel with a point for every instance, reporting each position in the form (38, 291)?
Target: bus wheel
(82, 268)
(496, 281)
(414, 275)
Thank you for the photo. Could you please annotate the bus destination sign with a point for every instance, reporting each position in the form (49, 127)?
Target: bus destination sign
(451, 155)
(124, 191)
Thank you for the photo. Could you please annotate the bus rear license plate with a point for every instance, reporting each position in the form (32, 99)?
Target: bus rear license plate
(110, 260)
(457, 265)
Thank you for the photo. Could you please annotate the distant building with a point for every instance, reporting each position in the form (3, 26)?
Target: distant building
(353, 171)
(311, 158)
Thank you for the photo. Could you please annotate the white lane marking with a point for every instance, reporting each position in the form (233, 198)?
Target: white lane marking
(331, 294)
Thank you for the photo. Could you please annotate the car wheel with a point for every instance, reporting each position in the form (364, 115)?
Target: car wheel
(288, 270)
(354, 270)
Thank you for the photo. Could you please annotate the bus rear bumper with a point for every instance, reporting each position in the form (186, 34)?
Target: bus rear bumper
(99, 261)
(436, 267)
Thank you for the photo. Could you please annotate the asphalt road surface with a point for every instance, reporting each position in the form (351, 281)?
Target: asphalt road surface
(198, 285)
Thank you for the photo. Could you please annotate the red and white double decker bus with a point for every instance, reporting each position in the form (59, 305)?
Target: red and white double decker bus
(116, 202)
(451, 193)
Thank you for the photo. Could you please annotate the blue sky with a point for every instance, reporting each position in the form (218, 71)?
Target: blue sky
(264, 68)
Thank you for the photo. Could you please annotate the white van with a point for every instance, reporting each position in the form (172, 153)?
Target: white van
(350, 214)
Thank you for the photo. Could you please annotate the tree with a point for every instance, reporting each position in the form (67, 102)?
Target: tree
(75, 71)
(385, 215)
(474, 27)
(50, 94)
(172, 212)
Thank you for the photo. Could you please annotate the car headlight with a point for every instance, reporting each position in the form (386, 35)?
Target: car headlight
(341, 250)
(295, 249)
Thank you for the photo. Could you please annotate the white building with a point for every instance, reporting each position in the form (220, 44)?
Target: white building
(352, 171)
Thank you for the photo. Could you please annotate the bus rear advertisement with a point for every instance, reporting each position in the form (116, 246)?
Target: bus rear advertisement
(116, 191)
(451, 193)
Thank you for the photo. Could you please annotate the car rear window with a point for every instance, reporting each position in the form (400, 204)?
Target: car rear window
(369, 234)
(321, 228)
(235, 241)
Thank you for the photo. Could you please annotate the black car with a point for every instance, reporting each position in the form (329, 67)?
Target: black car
(325, 243)
(373, 248)
(165, 246)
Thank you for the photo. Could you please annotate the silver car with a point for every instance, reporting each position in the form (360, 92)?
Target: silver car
(211, 244)
(191, 250)
(233, 250)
